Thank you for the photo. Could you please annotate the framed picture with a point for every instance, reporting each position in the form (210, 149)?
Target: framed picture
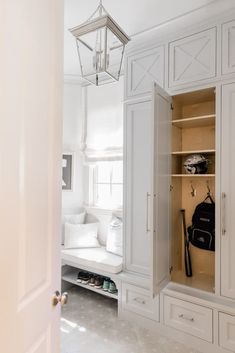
(67, 171)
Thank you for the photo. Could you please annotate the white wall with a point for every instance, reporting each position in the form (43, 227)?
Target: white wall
(72, 201)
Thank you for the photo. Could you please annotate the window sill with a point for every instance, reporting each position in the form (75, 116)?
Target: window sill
(102, 210)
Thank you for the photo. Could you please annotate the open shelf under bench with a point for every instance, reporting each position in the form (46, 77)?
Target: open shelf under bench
(71, 277)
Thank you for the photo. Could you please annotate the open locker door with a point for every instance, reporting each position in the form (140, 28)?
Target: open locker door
(161, 194)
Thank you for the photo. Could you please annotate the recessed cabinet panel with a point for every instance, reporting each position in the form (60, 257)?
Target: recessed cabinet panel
(228, 47)
(228, 192)
(193, 58)
(227, 331)
(138, 176)
(143, 69)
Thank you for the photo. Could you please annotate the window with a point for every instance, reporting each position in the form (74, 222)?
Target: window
(108, 184)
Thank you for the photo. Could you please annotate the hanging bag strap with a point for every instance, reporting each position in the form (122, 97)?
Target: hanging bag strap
(208, 197)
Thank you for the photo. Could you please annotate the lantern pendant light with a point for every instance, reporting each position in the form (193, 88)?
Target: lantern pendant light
(100, 44)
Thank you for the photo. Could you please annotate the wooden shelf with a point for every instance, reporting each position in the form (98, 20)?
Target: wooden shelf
(184, 153)
(194, 175)
(199, 121)
(71, 277)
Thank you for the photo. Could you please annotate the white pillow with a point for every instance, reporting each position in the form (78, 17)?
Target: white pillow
(72, 219)
(81, 235)
(114, 242)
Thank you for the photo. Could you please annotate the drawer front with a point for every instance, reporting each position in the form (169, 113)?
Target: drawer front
(139, 301)
(227, 331)
(142, 69)
(228, 47)
(192, 58)
(190, 318)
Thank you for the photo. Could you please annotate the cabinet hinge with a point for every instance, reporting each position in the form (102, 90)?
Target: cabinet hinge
(172, 107)
(170, 269)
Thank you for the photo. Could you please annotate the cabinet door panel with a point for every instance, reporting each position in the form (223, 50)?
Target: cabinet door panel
(228, 47)
(143, 69)
(228, 192)
(138, 164)
(192, 58)
(161, 205)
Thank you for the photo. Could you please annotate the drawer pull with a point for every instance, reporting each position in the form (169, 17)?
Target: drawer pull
(182, 316)
(147, 212)
(223, 213)
(139, 300)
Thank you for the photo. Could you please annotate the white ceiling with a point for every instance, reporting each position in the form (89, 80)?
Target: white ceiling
(134, 16)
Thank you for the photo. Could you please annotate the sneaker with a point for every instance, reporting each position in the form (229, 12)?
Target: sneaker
(81, 275)
(99, 282)
(106, 284)
(112, 287)
(86, 278)
(92, 281)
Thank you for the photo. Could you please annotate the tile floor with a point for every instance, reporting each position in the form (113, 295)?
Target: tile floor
(89, 324)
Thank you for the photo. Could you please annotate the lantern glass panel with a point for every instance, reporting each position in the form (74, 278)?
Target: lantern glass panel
(115, 49)
(92, 48)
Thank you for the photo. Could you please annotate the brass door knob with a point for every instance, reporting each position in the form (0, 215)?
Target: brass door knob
(57, 298)
(64, 298)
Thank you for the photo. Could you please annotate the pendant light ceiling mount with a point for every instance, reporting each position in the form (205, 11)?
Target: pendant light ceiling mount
(100, 43)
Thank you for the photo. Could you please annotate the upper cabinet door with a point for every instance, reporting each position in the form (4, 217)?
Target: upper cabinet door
(192, 58)
(161, 202)
(228, 192)
(228, 47)
(138, 177)
(142, 69)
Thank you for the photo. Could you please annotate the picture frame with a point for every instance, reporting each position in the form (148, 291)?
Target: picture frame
(67, 171)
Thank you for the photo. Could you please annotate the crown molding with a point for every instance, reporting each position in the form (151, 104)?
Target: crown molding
(209, 13)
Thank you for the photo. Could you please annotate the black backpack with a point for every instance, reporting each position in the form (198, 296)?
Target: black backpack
(202, 231)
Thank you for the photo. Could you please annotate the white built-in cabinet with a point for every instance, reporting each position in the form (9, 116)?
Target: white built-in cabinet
(228, 192)
(192, 58)
(228, 47)
(156, 143)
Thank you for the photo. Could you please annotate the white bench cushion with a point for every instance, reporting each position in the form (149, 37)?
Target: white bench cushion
(97, 258)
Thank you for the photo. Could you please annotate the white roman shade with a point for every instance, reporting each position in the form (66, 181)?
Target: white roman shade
(103, 125)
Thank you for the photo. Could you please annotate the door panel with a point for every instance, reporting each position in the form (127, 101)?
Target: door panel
(138, 177)
(30, 173)
(228, 192)
(161, 203)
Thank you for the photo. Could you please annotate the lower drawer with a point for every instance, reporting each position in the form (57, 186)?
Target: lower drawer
(139, 301)
(227, 331)
(190, 318)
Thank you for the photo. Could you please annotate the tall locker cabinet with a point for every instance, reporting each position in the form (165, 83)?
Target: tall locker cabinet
(147, 163)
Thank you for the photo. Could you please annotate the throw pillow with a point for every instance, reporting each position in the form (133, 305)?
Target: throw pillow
(72, 219)
(81, 235)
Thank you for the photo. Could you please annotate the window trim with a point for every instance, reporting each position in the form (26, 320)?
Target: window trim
(92, 187)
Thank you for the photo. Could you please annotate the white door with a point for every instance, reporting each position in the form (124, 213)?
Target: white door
(31, 71)
(161, 196)
(228, 192)
(138, 185)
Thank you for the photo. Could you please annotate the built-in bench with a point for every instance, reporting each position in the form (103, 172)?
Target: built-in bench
(95, 260)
